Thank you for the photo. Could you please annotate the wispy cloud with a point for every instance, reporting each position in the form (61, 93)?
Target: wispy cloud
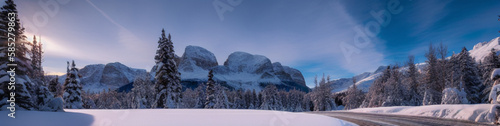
(126, 37)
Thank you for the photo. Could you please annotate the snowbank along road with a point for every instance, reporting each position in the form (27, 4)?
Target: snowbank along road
(369, 119)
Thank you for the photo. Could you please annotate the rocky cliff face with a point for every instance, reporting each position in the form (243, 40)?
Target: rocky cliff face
(241, 70)
(98, 77)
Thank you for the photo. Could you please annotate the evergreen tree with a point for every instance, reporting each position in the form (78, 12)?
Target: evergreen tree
(354, 97)
(54, 87)
(322, 97)
(270, 99)
(168, 81)
(36, 60)
(295, 98)
(143, 92)
(395, 94)
(412, 82)
(432, 80)
(469, 76)
(489, 63)
(257, 99)
(210, 92)
(73, 89)
(221, 99)
(239, 102)
(23, 86)
(88, 101)
(375, 95)
(201, 94)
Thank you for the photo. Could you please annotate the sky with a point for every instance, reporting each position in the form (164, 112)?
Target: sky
(340, 38)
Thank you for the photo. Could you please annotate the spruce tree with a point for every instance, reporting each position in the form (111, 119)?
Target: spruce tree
(489, 63)
(200, 91)
(143, 91)
(432, 80)
(375, 96)
(270, 99)
(210, 91)
(470, 76)
(36, 61)
(322, 97)
(23, 85)
(53, 86)
(411, 80)
(72, 88)
(354, 97)
(168, 81)
(395, 94)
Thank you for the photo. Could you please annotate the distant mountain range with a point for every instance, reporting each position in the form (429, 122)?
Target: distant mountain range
(240, 71)
(365, 80)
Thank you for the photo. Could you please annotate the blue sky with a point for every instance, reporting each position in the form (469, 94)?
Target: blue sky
(312, 36)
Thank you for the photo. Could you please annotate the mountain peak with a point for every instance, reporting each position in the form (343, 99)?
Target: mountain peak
(482, 49)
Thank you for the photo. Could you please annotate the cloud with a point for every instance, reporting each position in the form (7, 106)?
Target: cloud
(425, 13)
(126, 37)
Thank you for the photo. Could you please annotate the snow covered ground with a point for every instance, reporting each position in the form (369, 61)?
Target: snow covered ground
(172, 117)
(472, 112)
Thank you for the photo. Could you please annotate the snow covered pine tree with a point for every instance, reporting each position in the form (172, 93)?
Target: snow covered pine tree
(210, 100)
(73, 89)
(168, 80)
(22, 93)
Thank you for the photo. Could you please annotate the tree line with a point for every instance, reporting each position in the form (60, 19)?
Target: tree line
(442, 80)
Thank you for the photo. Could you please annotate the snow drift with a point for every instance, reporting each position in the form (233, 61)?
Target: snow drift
(471, 112)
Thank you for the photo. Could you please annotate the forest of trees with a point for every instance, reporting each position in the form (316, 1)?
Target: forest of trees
(454, 80)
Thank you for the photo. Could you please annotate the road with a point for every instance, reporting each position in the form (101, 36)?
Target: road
(370, 119)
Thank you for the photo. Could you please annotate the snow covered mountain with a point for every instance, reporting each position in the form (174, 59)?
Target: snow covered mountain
(240, 71)
(98, 77)
(482, 49)
(365, 80)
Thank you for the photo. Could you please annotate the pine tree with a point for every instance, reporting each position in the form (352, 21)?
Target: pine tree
(296, 97)
(470, 76)
(488, 64)
(432, 80)
(73, 88)
(36, 60)
(201, 95)
(23, 86)
(396, 94)
(322, 97)
(168, 81)
(53, 86)
(143, 92)
(270, 99)
(354, 97)
(221, 99)
(210, 92)
(415, 98)
(375, 96)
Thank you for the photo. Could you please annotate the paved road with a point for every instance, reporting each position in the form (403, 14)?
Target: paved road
(369, 119)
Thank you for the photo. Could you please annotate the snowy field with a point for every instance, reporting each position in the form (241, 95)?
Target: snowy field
(171, 117)
(475, 112)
